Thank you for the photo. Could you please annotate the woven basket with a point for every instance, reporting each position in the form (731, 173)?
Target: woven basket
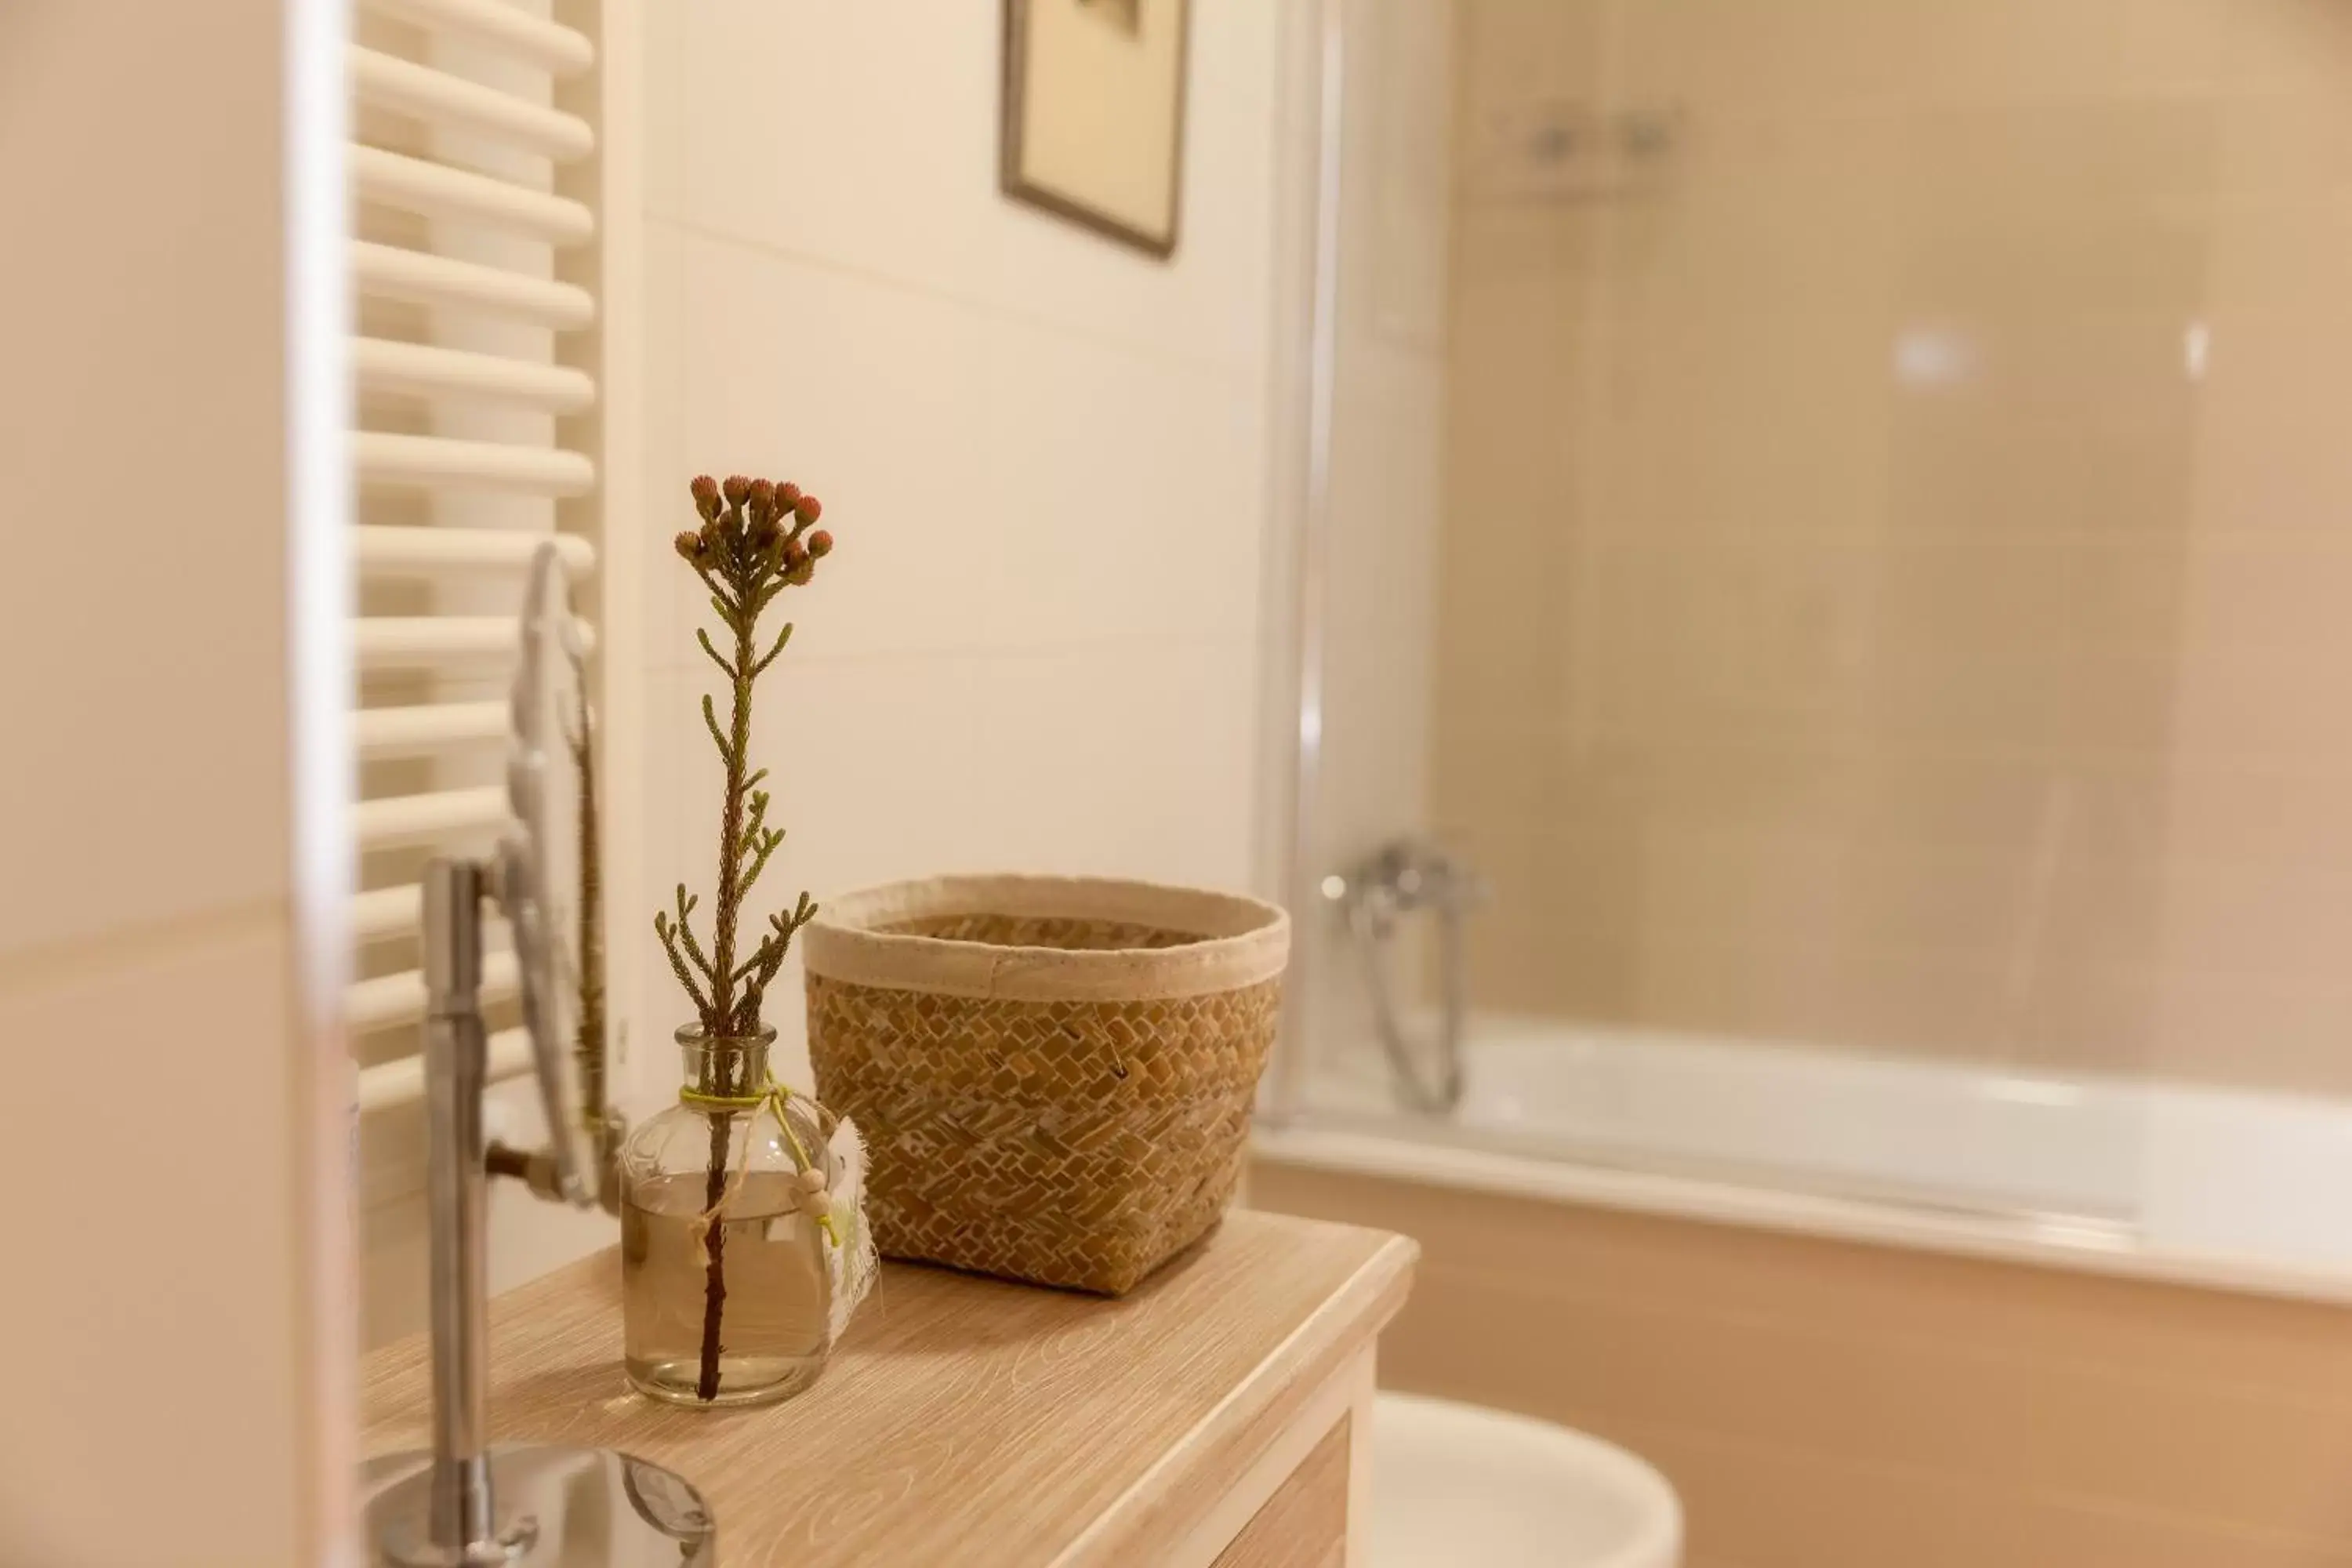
(1053, 1074)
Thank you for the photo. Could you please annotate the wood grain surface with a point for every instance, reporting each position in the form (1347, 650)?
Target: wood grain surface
(964, 1421)
(1305, 1525)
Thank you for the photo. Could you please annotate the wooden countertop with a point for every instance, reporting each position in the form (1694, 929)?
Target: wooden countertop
(964, 1420)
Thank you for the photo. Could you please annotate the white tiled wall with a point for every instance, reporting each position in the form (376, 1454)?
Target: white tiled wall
(1045, 457)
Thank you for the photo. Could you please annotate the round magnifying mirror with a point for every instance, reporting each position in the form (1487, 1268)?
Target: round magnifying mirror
(539, 861)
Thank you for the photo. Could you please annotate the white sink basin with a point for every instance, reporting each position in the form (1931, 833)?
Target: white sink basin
(1455, 1485)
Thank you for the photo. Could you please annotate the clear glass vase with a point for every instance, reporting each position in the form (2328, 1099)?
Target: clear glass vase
(725, 1295)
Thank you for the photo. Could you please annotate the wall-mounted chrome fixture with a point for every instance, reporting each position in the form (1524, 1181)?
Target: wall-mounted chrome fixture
(1406, 877)
(1544, 150)
(465, 1504)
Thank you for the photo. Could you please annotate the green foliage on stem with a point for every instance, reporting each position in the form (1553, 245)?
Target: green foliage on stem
(754, 542)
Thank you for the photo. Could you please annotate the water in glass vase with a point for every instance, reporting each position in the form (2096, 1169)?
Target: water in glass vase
(772, 1324)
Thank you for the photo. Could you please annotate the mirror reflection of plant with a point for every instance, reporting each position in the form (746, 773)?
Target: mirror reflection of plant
(757, 539)
(592, 1047)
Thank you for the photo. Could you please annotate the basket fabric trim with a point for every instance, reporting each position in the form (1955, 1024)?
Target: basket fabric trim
(1242, 940)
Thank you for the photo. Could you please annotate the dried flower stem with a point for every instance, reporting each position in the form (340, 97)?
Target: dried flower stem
(754, 541)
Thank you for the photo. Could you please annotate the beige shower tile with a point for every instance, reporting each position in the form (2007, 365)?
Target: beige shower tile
(1992, 606)
(2109, 276)
(1997, 53)
(2282, 149)
(1733, 414)
(1735, 265)
(2268, 707)
(2009, 590)
(2087, 1017)
(2268, 593)
(2252, 921)
(1489, 782)
(1737, 646)
(1738, 884)
(2096, 907)
(1775, 786)
(1991, 702)
(1501, 588)
(1916, 1004)
(2022, 160)
(1989, 805)
(1971, 461)
(1760, 989)
(2282, 249)
(2169, 49)
(2297, 49)
(1512, 51)
(1792, 58)
(2270, 455)
(2126, 588)
(1523, 300)
(1962, 903)
(1553, 937)
(1489, 767)
(2280, 817)
(2120, 708)
(2264, 1032)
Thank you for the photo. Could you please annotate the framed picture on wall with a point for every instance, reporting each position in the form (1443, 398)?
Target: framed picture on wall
(1093, 113)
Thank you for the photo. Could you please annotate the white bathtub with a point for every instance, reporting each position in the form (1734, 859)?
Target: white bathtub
(2167, 1180)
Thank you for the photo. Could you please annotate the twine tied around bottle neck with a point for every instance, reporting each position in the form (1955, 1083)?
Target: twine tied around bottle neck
(772, 1096)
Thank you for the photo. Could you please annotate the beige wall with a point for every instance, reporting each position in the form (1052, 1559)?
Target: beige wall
(1044, 456)
(174, 1311)
(1893, 578)
(1820, 1404)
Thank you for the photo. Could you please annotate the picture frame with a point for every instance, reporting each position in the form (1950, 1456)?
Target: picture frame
(1093, 114)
